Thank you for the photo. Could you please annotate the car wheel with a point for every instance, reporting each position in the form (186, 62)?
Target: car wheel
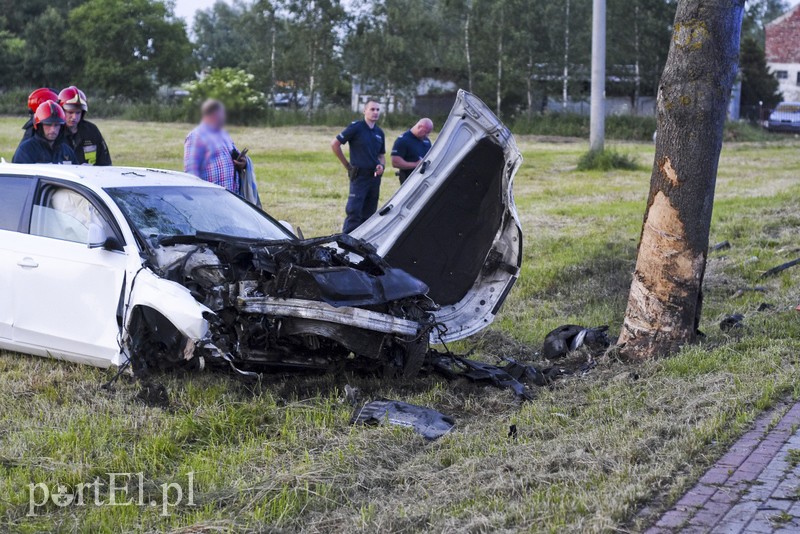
(406, 358)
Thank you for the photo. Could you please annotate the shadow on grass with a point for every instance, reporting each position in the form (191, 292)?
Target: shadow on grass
(598, 283)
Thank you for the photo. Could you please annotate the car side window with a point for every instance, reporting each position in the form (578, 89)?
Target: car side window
(62, 213)
(13, 200)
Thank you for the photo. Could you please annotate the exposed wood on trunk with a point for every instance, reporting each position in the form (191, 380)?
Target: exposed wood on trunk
(665, 301)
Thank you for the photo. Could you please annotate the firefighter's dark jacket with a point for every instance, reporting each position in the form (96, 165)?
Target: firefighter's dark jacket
(88, 144)
(36, 149)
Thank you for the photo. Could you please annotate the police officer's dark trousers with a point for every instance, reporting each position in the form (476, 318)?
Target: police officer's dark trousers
(365, 188)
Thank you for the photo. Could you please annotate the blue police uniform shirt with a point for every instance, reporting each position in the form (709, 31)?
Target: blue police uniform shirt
(410, 147)
(366, 144)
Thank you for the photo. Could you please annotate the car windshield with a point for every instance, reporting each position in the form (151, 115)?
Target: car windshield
(172, 211)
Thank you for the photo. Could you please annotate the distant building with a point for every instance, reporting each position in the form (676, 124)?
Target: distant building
(621, 98)
(430, 97)
(783, 52)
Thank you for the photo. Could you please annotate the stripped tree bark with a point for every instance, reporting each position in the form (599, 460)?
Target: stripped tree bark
(665, 300)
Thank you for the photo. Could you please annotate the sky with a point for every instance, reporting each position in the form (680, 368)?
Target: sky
(186, 8)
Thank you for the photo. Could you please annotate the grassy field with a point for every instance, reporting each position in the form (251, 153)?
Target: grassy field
(590, 452)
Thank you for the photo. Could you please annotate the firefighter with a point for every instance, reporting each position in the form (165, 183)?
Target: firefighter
(81, 135)
(35, 99)
(47, 144)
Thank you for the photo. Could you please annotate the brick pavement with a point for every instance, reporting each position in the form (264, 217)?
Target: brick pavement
(754, 487)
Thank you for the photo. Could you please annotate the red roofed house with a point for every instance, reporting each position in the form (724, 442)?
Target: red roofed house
(783, 52)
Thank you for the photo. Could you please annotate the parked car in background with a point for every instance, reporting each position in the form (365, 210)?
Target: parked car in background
(785, 118)
(109, 265)
(287, 100)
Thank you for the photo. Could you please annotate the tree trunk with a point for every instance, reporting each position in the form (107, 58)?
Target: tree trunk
(637, 84)
(467, 52)
(565, 86)
(665, 300)
(272, 78)
(529, 81)
(312, 79)
(499, 88)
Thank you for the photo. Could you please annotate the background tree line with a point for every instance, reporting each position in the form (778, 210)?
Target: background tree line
(513, 53)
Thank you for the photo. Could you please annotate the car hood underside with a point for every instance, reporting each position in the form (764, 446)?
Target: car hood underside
(454, 225)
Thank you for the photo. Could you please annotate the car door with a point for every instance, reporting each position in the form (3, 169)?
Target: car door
(14, 205)
(66, 296)
(454, 224)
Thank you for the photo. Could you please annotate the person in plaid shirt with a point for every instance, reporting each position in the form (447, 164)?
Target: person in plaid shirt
(209, 151)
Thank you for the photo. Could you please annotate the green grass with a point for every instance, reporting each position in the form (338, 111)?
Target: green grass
(590, 452)
(606, 160)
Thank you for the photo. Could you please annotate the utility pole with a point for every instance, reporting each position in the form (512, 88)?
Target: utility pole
(597, 121)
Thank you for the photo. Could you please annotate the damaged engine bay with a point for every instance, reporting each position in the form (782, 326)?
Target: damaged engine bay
(313, 304)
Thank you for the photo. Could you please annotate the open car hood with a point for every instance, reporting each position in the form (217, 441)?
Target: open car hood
(453, 224)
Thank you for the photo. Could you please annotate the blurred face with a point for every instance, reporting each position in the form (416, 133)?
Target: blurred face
(51, 131)
(422, 129)
(74, 116)
(372, 112)
(215, 120)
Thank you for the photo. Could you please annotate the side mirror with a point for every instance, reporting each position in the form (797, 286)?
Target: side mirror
(97, 236)
(99, 239)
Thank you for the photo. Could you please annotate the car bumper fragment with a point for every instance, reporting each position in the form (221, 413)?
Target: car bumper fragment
(321, 311)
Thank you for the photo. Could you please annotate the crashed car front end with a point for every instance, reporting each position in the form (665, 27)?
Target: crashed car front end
(435, 264)
(283, 304)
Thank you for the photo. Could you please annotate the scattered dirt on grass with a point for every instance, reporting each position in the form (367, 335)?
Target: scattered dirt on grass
(496, 345)
(154, 395)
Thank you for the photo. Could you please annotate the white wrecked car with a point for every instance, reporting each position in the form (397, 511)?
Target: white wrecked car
(112, 265)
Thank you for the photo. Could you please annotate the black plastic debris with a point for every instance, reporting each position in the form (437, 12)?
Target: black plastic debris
(754, 289)
(725, 245)
(569, 337)
(731, 322)
(780, 268)
(451, 367)
(516, 376)
(425, 421)
(512, 432)
(528, 374)
(765, 306)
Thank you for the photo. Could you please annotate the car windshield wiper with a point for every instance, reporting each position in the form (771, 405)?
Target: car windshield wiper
(202, 237)
(176, 239)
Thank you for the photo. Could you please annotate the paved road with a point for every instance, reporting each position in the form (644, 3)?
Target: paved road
(755, 487)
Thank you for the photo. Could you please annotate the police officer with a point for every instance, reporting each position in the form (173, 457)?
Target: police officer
(47, 143)
(35, 99)
(366, 165)
(82, 136)
(411, 147)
